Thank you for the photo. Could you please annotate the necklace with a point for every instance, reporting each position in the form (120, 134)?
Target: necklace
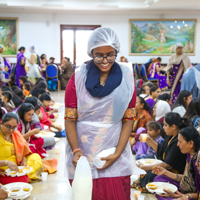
(9, 139)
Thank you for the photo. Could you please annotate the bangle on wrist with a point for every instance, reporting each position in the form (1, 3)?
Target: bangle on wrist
(190, 196)
(176, 177)
(76, 150)
(6, 162)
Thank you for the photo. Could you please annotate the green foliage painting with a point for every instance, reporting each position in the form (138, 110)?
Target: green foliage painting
(158, 37)
(9, 36)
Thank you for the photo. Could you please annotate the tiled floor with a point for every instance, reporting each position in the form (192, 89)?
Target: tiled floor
(57, 186)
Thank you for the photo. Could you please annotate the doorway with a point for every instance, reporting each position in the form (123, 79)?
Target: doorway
(74, 42)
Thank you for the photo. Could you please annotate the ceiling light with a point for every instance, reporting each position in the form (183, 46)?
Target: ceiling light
(149, 2)
(171, 26)
(186, 25)
(178, 27)
(175, 21)
(183, 22)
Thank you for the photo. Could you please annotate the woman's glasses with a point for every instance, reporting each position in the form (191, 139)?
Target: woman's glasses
(14, 128)
(100, 59)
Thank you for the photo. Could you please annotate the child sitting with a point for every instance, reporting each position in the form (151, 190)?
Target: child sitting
(26, 89)
(154, 130)
(6, 98)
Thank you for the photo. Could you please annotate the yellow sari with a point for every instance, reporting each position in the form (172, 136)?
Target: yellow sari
(7, 152)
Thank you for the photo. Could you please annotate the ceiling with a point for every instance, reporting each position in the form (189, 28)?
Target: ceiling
(100, 6)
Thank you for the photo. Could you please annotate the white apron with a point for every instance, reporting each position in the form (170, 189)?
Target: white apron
(99, 124)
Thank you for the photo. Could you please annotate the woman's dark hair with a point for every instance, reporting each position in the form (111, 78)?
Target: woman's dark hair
(8, 95)
(16, 100)
(180, 100)
(172, 118)
(156, 126)
(191, 134)
(25, 80)
(21, 48)
(146, 105)
(193, 108)
(14, 88)
(20, 94)
(27, 86)
(154, 88)
(42, 56)
(164, 97)
(31, 100)
(37, 107)
(1, 110)
(24, 108)
(45, 97)
(41, 85)
(8, 116)
(68, 59)
(159, 58)
(142, 90)
(38, 92)
(149, 84)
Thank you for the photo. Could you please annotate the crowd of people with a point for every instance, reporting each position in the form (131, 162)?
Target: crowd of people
(106, 107)
(34, 68)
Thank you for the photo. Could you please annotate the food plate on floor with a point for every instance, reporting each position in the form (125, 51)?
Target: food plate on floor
(159, 187)
(22, 171)
(18, 190)
(147, 162)
(57, 105)
(44, 134)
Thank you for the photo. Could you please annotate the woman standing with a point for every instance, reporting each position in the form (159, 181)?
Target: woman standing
(33, 72)
(179, 63)
(20, 66)
(1, 67)
(95, 106)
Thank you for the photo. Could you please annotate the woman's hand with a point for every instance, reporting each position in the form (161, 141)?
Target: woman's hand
(2, 173)
(169, 194)
(77, 155)
(59, 128)
(159, 170)
(55, 110)
(168, 83)
(140, 165)
(23, 162)
(40, 116)
(132, 142)
(182, 196)
(12, 166)
(109, 160)
(35, 131)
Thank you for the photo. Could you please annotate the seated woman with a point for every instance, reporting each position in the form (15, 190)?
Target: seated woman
(168, 151)
(3, 110)
(154, 130)
(7, 97)
(142, 118)
(160, 110)
(26, 89)
(14, 152)
(151, 99)
(20, 94)
(155, 73)
(23, 80)
(27, 129)
(144, 91)
(189, 182)
(182, 102)
(44, 121)
(193, 112)
(3, 193)
(165, 97)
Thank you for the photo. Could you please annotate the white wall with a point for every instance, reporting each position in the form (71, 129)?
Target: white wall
(34, 30)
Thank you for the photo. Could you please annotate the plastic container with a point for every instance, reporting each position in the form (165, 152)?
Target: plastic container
(44, 176)
(140, 197)
(136, 194)
(143, 137)
(100, 163)
(82, 183)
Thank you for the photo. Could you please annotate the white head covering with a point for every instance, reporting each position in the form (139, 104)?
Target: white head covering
(178, 45)
(162, 109)
(1, 46)
(102, 37)
(33, 49)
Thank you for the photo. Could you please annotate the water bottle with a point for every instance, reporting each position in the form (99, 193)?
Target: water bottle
(82, 183)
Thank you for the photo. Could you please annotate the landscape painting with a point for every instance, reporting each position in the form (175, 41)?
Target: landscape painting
(158, 37)
(9, 36)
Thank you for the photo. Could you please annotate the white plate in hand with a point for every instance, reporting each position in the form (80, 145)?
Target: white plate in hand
(147, 162)
(161, 186)
(44, 134)
(24, 170)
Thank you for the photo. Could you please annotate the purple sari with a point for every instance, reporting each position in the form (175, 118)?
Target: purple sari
(20, 70)
(162, 78)
(192, 184)
(178, 86)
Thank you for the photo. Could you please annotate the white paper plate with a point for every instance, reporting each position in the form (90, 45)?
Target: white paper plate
(160, 186)
(57, 139)
(23, 194)
(44, 134)
(25, 171)
(147, 162)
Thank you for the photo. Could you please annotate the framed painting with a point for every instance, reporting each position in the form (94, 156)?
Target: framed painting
(9, 36)
(153, 37)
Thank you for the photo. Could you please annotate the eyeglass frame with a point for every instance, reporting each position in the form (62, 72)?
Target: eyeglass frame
(104, 58)
(10, 128)
(29, 115)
